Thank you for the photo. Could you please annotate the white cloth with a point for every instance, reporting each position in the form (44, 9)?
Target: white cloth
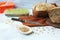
(8, 31)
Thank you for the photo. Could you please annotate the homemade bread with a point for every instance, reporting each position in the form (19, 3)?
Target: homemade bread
(54, 15)
(41, 9)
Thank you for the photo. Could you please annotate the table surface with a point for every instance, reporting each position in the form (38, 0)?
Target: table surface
(8, 31)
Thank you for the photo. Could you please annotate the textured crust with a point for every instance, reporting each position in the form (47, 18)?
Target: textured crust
(54, 15)
(42, 9)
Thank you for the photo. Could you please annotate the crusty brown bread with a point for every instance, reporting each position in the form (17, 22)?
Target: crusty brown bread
(42, 9)
(54, 15)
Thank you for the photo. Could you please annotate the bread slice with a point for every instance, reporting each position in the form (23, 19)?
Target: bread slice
(54, 15)
(17, 12)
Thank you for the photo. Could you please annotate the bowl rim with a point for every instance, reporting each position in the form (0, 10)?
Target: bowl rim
(30, 30)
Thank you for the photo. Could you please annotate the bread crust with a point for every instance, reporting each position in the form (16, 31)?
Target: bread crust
(54, 15)
(42, 9)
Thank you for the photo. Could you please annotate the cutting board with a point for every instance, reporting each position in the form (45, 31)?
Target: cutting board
(33, 19)
(49, 22)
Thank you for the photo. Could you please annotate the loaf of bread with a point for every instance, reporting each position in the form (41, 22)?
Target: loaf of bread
(41, 9)
(54, 15)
